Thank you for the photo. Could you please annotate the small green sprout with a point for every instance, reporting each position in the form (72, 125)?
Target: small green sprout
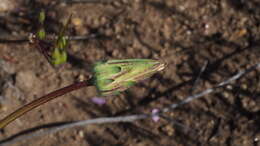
(41, 34)
(113, 76)
(55, 53)
(58, 57)
(59, 54)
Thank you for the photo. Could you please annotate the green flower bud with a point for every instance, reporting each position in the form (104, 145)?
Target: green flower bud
(113, 76)
(58, 57)
(62, 42)
(41, 17)
(41, 34)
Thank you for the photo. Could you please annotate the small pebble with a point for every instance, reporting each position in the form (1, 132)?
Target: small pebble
(244, 86)
(81, 134)
(169, 130)
(82, 77)
(76, 21)
(226, 94)
(241, 33)
(229, 87)
(26, 80)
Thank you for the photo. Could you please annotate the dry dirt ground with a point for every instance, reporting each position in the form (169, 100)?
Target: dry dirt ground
(184, 33)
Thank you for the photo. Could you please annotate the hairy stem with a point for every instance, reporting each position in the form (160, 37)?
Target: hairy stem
(37, 102)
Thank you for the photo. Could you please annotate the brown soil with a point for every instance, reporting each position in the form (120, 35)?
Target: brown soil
(183, 33)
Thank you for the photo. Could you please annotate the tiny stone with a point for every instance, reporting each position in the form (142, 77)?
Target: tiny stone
(244, 86)
(241, 33)
(169, 129)
(81, 134)
(118, 37)
(118, 29)
(225, 94)
(3, 108)
(96, 23)
(229, 87)
(188, 32)
(167, 45)
(82, 77)
(103, 20)
(60, 104)
(76, 21)
(26, 80)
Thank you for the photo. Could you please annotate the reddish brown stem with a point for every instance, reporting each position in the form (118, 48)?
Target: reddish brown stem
(37, 102)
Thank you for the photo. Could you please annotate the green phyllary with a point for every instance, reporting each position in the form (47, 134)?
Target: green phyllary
(113, 76)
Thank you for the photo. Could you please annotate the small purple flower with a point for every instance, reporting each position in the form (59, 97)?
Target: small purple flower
(155, 117)
(98, 100)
